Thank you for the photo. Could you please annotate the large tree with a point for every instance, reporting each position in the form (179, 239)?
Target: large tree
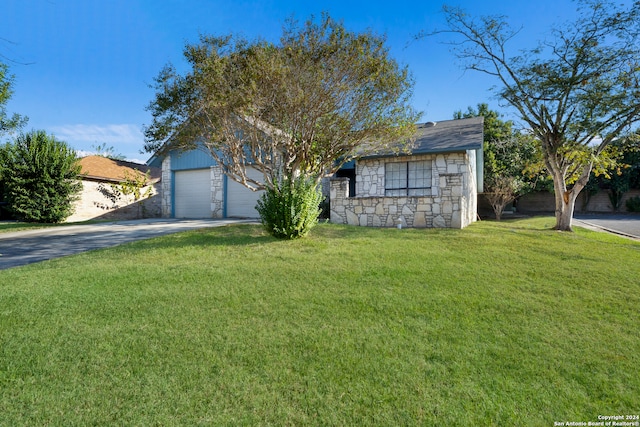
(577, 91)
(298, 108)
(8, 123)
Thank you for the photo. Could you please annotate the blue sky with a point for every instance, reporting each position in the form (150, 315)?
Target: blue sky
(82, 67)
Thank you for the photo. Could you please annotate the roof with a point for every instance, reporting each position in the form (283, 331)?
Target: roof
(105, 169)
(446, 136)
(431, 137)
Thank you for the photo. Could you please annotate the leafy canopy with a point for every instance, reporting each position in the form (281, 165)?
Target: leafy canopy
(8, 123)
(577, 92)
(40, 176)
(507, 154)
(301, 107)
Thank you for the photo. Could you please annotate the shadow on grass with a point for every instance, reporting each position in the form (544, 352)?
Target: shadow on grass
(532, 228)
(253, 234)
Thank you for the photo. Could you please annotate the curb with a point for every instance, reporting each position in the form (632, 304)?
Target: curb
(595, 227)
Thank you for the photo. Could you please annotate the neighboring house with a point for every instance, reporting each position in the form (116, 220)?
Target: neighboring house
(102, 197)
(436, 185)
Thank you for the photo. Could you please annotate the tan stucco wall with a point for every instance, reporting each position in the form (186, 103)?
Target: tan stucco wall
(92, 204)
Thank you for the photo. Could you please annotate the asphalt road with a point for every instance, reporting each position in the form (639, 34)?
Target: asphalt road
(624, 224)
(26, 247)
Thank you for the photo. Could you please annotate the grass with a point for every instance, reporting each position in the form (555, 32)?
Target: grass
(498, 324)
(11, 226)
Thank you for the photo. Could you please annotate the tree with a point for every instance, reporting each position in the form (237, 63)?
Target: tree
(577, 92)
(40, 177)
(507, 153)
(8, 124)
(134, 188)
(495, 128)
(107, 151)
(299, 108)
(501, 191)
(626, 174)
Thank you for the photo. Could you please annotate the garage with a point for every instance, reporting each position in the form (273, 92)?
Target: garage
(198, 188)
(241, 202)
(193, 193)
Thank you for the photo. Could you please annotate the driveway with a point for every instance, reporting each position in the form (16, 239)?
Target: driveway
(627, 225)
(26, 247)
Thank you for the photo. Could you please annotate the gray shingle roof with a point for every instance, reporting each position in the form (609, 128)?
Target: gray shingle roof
(446, 136)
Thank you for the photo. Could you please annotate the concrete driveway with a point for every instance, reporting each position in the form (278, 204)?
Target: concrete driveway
(627, 225)
(25, 247)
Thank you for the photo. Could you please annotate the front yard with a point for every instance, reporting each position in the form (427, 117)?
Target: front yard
(498, 324)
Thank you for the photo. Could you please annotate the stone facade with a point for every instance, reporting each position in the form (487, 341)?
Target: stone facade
(451, 204)
(217, 192)
(167, 182)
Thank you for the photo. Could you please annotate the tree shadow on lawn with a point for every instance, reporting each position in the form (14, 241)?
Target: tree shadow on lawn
(253, 234)
(533, 229)
(540, 231)
(227, 235)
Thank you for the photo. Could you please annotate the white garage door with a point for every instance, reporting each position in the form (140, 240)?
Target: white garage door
(193, 194)
(241, 202)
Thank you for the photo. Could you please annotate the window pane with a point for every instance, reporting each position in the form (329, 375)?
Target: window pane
(408, 178)
(395, 175)
(419, 175)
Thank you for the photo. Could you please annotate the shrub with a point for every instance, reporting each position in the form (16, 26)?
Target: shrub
(633, 204)
(289, 209)
(40, 176)
(502, 190)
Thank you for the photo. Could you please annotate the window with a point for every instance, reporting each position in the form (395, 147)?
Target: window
(408, 179)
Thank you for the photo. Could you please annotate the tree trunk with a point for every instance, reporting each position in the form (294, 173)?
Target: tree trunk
(566, 199)
(564, 212)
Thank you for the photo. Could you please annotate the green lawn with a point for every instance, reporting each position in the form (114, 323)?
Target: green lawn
(11, 226)
(498, 324)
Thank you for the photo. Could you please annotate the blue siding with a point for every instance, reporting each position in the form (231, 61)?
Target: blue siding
(194, 159)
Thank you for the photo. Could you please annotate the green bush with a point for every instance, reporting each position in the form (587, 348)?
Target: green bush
(633, 204)
(40, 177)
(290, 209)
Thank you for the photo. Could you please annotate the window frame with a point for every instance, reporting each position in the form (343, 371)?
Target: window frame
(398, 179)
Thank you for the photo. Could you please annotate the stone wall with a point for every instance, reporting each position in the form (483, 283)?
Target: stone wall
(167, 182)
(452, 202)
(217, 192)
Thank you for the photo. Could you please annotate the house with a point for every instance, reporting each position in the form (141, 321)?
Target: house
(435, 185)
(441, 191)
(101, 195)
